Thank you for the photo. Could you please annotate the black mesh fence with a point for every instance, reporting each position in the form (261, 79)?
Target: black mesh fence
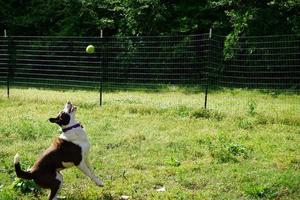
(148, 63)
(49, 62)
(4, 61)
(271, 62)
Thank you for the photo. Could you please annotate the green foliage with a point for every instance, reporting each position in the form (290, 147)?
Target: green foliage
(256, 18)
(107, 196)
(26, 186)
(246, 123)
(233, 18)
(207, 114)
(252, 107)
(262, 192)
(224, 150)
(173, 162)
(150, 17)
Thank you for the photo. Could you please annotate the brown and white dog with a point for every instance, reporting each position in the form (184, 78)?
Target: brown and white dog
(69, 149)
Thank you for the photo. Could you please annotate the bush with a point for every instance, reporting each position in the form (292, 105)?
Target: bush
(207, 114)
(224, 150)
(26, 186)
(252, 107)
(262, 192)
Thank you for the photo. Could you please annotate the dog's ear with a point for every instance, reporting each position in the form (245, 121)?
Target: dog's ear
(62, 120)
(53, 120)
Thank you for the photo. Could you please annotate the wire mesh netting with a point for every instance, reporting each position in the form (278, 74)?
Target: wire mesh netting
(148, 63)
(51, 62)
(270, 62)
(4, 61)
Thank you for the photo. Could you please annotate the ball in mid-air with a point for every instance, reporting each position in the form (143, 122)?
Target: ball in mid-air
(90, 49)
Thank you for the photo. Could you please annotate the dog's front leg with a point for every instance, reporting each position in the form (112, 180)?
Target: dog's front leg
(87, 171)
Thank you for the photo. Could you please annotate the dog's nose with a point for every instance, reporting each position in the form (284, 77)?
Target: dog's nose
(69, 102)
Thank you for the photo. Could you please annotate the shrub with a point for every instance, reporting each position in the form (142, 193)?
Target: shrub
(262, 192)
(224, 150)
(173, 162)
(207, 114)
(247, 123)
(26, 186)
(252, 107)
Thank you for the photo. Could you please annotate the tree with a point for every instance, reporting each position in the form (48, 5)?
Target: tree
(150, 17)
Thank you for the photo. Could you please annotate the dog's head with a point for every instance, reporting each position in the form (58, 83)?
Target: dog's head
(66, 116)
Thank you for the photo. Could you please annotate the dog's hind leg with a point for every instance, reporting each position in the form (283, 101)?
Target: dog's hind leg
(54, 189)
(56, 186)
(87, 171)
(59, 177)
(51, 181)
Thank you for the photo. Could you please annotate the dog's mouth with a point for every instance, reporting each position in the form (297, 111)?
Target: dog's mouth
(65, 115)
(69, 107)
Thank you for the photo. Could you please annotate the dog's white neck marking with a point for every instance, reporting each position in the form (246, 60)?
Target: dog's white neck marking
(77, 136)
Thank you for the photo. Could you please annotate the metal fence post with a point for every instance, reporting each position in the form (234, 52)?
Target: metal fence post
(101, 70)
(7, 78)
(208, 63)
(11, 63)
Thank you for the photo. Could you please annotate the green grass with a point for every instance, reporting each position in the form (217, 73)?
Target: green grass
(245, 146)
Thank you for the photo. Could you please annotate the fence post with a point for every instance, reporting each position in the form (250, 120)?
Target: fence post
(11, 62)
(7, 78)
(208, 63)
(101, 70)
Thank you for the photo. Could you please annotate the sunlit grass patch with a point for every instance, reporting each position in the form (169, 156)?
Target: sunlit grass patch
(244, 146)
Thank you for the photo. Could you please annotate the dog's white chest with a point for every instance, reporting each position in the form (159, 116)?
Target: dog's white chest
(77, 136)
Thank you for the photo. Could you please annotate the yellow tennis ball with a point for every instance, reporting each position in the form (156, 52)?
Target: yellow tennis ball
(90, 49)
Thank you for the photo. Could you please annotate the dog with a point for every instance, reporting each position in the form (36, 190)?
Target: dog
(69, 149)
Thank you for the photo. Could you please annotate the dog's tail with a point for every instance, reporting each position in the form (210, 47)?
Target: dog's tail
(20, 173)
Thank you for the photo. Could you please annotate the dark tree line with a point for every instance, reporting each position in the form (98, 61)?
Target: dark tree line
(149, 17)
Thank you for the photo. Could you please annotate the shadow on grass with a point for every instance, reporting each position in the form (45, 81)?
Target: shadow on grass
(151, 88)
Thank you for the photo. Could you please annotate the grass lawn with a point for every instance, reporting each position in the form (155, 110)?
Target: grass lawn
(245, 146)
